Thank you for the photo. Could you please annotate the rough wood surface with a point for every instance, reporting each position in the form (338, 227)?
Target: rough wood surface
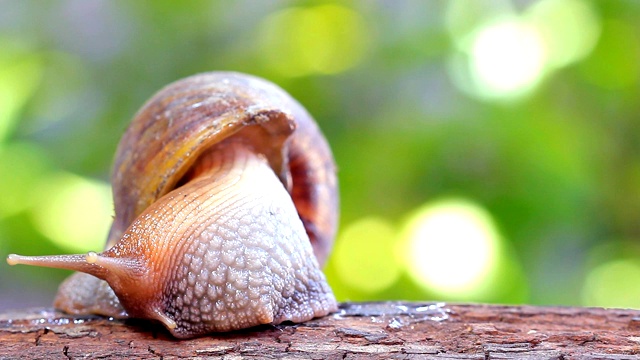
(396, 330)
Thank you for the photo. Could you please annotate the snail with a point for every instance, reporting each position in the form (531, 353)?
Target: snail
(226, 201)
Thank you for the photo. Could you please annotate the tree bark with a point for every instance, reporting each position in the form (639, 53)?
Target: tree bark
(389, 330)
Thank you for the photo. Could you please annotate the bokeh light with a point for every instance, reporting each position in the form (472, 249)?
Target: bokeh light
(507, 58)
(463, 18)
(452, 247)
(364, 255)
(508, 54)
(74, 212)
(613, 284)
(20, 73)
(324, 39)
(569, 29)
(26, 165)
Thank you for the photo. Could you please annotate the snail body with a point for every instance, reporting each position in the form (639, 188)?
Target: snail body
(225, 209)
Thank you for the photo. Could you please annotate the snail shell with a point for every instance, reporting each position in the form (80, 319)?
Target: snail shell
(225, 208)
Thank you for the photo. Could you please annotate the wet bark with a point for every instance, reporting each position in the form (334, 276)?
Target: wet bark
(396, 330)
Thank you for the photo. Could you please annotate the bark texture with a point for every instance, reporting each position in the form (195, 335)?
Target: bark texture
(389, 330)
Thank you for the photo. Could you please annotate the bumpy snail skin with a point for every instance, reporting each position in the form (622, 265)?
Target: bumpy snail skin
(226, 205)
(258, 266)
(242, 259)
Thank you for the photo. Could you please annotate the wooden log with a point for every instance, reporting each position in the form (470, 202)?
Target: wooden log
(389, 330)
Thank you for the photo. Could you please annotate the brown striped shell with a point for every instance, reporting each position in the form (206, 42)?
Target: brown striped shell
(185, 118)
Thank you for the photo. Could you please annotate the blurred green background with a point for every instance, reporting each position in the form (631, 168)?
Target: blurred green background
(488, 150)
